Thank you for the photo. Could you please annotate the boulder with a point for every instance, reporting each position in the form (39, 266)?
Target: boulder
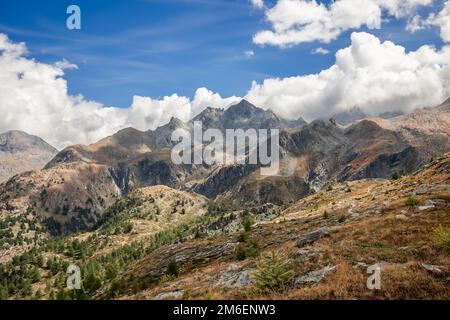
(172, 295)
(421, 191)
(236, 277)
(425, 207)
(360, 264)
(304, 254)
(312, 236)
(314, 276)
(432, 268)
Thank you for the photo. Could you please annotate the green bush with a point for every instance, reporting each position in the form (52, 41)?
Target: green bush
(275, 273)
(412, 201)
(116, 288)
(166, 278)
(3, 293)
(172, 268)
(325, 215)
(247, 250)
(240, 253)
(441, 236)
(247, 223)
(243, 237)
(91, 283)
(128, 227)
(198, 234)
(342, 218)
(396, 176)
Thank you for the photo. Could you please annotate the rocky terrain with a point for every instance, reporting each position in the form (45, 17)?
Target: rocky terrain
(328, 240)
(315, 154)
(20, 152)
(74, 189)
(162, 243)
(372, 192)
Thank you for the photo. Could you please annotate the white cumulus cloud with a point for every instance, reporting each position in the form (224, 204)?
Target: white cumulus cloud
(34, 98)
(321, 51)
(373, 75)
(440, 20)
(299, 21)
(258, 4)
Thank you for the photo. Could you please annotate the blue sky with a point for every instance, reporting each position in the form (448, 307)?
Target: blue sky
(159, 47)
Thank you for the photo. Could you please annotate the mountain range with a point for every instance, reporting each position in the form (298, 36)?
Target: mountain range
(76, 187)
(348, 194)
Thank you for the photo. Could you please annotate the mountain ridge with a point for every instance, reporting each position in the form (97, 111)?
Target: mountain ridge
(312, 156)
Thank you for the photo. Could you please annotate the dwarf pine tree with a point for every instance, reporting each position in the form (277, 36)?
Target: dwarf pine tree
(274, 273)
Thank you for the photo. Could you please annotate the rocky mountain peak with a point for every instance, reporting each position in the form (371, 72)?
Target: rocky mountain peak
(21, 152)
(176, 123)
(18, 141)
(209, 114)
(242, 109)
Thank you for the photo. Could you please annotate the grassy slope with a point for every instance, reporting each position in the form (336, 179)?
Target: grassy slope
(366, 229)
(128, 256)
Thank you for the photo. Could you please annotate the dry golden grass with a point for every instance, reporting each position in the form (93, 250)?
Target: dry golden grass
(373, 233)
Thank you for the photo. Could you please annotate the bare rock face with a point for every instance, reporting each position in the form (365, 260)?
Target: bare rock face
(20, 152)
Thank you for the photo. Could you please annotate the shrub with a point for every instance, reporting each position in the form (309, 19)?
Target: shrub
(128, 227)
(275, 273)
(325, 215)
(167, 278)
(441, 236)
(249, 250)
(116, 288)
(247, 223)
(91, 283)
(198, 234)
(3, 293)
(412, 201)
(240, 253)
(396, 176)
(243, 237)
(172, 268)
(342, 218)
(330, 188)
(253, 249)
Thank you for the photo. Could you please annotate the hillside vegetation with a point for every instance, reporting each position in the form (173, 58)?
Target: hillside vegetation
(162, 243)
